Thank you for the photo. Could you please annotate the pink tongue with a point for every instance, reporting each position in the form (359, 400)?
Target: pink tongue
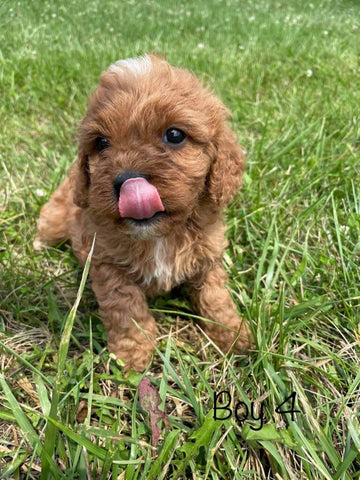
(139, 199)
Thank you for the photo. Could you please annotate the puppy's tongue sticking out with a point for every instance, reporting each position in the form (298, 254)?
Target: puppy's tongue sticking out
(139, 199)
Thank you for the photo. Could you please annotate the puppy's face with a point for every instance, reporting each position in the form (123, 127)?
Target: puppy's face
(148, 146)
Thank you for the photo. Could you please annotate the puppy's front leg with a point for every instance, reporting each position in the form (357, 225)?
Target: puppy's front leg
(119, 304)
(213, 301)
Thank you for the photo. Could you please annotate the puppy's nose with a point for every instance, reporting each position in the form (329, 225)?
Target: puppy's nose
(120, 179)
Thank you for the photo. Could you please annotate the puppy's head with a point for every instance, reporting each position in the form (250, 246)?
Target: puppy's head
(154, 146)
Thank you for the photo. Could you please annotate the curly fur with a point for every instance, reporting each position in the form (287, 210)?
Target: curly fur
(136, 101)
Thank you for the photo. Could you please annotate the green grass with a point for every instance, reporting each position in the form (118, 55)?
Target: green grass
(289, 72)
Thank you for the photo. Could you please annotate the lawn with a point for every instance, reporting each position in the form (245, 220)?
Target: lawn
(289, 72)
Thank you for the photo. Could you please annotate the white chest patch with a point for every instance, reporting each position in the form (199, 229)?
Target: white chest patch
(162, 267)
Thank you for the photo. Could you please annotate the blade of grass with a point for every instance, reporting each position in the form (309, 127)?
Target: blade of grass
(51, 430)
(25, 362)
(346, 463)
(164, 381)
(99, 452)
(18, 460)
(43, 395)
(79, 454)
(165, 456)
(293, 142)
(134, 448)
(189, 390)
(339, 241)
(26, 426)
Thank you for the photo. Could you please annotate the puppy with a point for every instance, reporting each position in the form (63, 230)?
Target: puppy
(156, 164)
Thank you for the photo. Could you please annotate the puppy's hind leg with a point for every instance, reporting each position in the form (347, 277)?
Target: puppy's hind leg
(56, 217)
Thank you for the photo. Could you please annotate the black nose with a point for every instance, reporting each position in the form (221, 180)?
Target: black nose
(120, 179)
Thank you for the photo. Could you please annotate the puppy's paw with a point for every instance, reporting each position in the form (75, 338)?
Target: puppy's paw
(245, 340)
(136, 357)
(235, 335)
(137, 361)
(39, 245)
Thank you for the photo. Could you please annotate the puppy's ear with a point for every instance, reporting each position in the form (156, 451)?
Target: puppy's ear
(227, 168)
(80, 180)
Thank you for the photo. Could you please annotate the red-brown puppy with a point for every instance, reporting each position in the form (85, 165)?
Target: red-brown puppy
(157, 163)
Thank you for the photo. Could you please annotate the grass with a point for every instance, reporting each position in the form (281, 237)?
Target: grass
(290, 75)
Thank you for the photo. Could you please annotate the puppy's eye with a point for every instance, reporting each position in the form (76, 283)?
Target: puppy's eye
(101, 143)
(174, 136)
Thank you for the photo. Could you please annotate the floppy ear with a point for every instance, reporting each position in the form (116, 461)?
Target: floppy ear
(80, 180)
(227, 168)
